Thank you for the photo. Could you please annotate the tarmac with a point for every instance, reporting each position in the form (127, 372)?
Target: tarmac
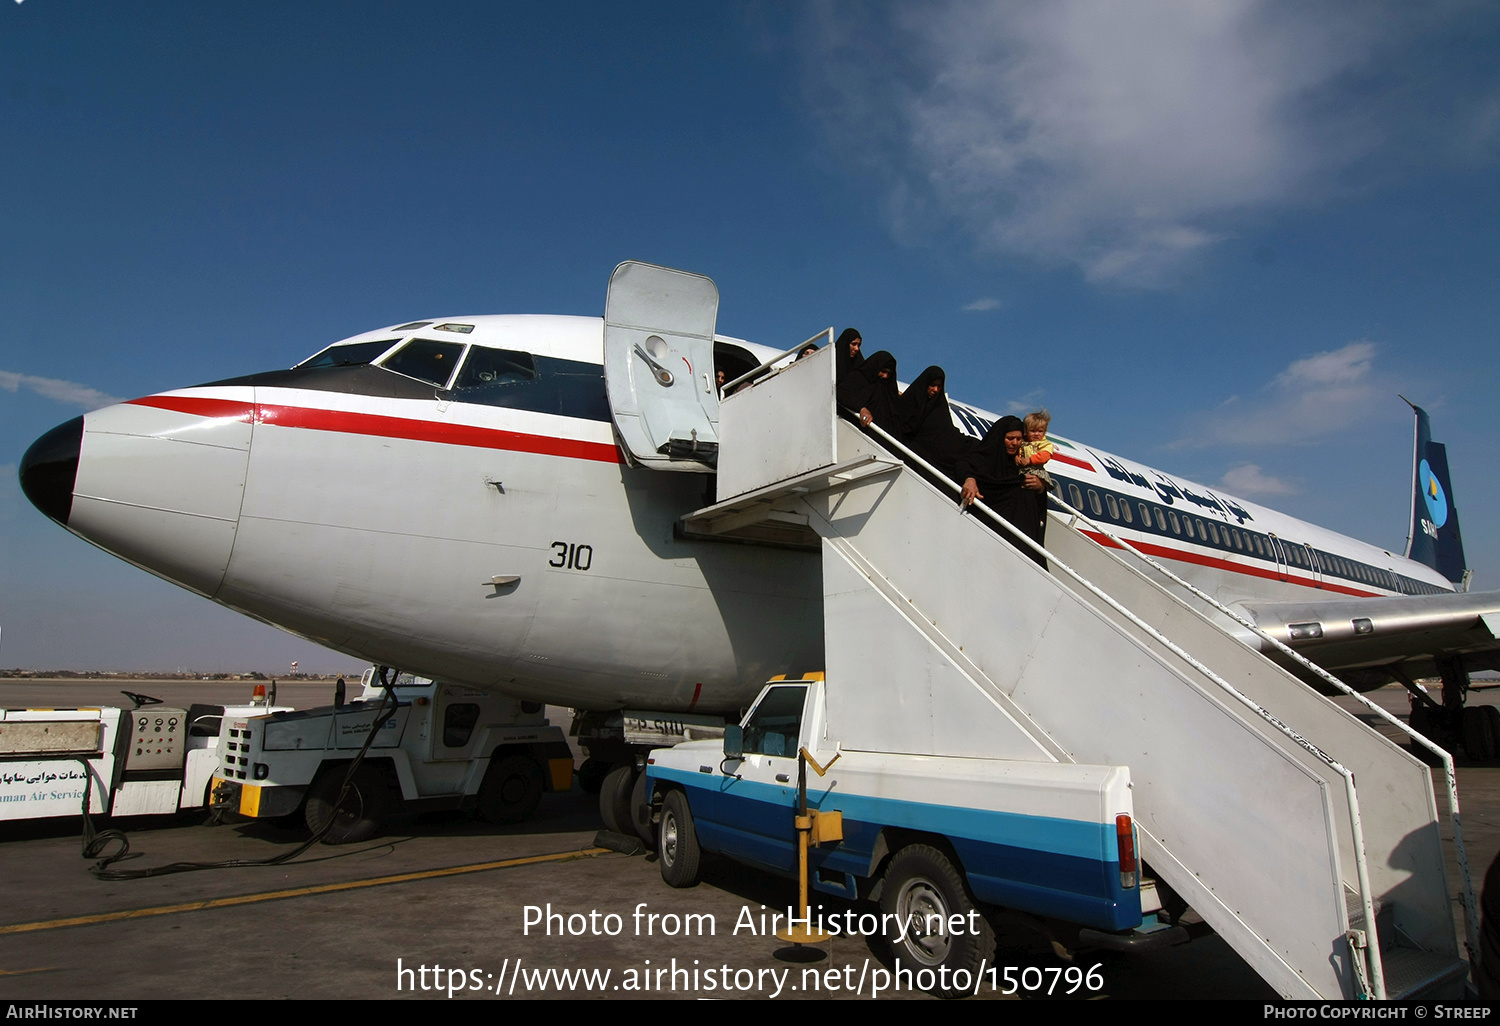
(445, 907)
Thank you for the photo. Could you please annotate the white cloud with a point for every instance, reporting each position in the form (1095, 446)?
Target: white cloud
(1340, 367)
(69, 393)
(1248, 480)
(980, 305)
(1026, 403)
(1122, 138)
(1314, 397)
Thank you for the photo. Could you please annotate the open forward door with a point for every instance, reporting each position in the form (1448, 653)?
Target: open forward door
(659, 365)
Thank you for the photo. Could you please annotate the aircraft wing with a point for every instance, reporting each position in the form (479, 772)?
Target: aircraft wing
(1368, 641)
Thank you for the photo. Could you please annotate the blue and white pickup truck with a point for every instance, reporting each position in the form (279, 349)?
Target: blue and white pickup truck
(927, 837)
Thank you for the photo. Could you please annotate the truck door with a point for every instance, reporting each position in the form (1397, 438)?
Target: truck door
(659, 365)
(756, 800)
(455, 723)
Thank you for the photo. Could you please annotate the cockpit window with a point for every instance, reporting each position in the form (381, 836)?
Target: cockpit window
(495, 367)
(353, 355)
(426, 360)
(515, 380)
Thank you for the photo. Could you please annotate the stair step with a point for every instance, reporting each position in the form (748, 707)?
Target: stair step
(1385, 918)
(1410, 972)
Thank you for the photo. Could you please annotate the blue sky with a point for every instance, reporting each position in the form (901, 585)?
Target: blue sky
(1216, 238)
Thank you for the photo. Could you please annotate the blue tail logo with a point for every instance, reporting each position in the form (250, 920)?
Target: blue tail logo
(1433, 495)
(1434, 538)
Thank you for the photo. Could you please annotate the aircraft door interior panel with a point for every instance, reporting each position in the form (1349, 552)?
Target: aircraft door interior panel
(659, 365)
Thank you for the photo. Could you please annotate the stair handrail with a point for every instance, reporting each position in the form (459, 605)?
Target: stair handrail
(1362, 874)
(1450, 777)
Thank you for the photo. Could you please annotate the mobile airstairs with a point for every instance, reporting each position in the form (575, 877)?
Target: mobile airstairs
(943, 638)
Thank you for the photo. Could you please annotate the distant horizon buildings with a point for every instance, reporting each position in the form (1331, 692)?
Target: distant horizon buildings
(21, 673)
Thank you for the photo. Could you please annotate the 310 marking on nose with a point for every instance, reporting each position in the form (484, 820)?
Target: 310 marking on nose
(571, 556)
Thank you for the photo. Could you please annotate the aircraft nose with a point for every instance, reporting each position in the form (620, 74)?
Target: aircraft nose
(50, 467)
(157, 481)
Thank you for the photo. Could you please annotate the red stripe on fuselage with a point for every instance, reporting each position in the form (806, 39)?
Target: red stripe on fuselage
(345, 422)
(434, 431)
(217, 409)
(1185, 556)
(1074, 461)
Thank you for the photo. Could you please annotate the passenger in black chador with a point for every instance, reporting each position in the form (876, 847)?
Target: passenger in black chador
(927, 423)
(989, 473)
(847, 360)
(878, 400)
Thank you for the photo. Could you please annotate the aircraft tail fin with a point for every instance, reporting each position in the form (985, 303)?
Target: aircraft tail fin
(1433, 537)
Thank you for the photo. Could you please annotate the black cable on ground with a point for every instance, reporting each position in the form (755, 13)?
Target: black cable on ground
(94, 842)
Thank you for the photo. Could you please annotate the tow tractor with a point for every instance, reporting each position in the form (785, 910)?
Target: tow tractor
(152, 759)
(443, 746)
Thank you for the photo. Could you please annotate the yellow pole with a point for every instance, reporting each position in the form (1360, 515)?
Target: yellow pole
(803, 821)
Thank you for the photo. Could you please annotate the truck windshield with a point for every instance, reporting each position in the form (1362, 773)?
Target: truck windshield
(776, 723)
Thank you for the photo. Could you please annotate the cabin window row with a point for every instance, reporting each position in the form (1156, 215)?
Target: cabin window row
(1158, 519)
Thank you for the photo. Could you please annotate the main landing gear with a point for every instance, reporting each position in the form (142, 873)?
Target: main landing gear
(622, 802)
(1452, 723)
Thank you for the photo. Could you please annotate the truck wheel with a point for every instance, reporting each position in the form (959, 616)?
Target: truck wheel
(359, 816)
(922, 890)
(614, 799)
(677, 842)
(208, 815)
(511, 789)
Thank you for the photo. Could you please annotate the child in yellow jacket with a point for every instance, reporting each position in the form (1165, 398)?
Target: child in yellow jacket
(1037, 449)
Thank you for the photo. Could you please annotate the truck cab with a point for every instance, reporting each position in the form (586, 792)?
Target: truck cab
(442, 746)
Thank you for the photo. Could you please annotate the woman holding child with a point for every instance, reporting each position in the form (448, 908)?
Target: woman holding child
(991, 472)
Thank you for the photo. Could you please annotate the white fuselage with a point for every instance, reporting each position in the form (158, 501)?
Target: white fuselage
(513, 548)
